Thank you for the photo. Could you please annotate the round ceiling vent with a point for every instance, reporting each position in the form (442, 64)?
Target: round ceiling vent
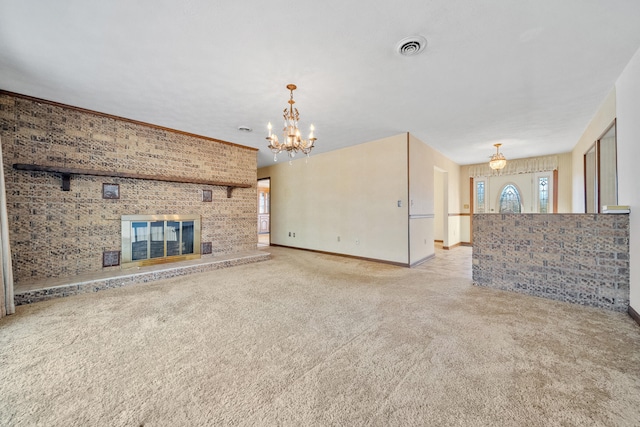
(411, 45)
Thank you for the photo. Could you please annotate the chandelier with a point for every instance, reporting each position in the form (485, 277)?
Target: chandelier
(498, 161)
(292, 141)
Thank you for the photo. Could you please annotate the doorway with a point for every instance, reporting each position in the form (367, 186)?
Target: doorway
(264, 212)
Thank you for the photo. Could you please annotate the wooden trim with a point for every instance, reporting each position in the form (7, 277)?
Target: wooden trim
(598, 168)
(398, 264)
(439, 241)
(597, 195)
(615, 143)
(124, 119)
(634, 314)
(471, 209)
(460, 214)
(468, 244)
(452, 246)
(270, 211)
(584, 177)
(67, 172)
(408, 199)
(596, 144)
(555, 191)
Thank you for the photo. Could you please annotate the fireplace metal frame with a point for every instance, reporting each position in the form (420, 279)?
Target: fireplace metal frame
(126, 220)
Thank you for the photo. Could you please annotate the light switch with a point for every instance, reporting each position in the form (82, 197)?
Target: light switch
(399, 203)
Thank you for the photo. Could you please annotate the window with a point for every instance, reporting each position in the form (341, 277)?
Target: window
(480, 197)
(510, 200)
(543, 187)
(532, 192)
(543, 194)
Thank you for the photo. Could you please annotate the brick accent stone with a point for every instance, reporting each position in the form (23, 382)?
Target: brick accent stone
(578, 258)
(57, 233)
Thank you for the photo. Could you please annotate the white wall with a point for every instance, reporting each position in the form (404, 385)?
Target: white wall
(628, 133)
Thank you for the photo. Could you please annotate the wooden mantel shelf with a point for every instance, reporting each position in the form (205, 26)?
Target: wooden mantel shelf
(67, 172)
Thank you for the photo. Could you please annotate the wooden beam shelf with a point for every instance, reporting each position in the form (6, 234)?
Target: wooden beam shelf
(67, 172)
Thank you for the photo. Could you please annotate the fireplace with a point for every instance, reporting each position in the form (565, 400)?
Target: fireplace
(156, 239)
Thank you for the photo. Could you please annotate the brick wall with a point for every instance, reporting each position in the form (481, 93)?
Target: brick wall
(578, 258)
(57, 233)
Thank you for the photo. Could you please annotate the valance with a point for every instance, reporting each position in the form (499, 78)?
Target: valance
(517, 166)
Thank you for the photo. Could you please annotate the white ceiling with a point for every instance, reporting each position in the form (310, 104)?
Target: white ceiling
(528, 73)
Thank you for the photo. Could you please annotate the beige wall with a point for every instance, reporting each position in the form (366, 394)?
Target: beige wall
(351, 194)
(628, 134)
(423, 162)
(377, 197)
(421, 200)
(565, 185)
(465, 205)
(439, 208)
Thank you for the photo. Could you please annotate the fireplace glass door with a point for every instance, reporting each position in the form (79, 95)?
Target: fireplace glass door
(159, 238)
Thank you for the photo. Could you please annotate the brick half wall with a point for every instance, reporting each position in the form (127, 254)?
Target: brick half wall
(577, 258)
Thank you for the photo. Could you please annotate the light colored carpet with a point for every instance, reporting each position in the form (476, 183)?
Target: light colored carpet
(313, 339)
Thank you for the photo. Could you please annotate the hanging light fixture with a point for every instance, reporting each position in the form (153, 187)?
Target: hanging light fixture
(498, 161)
(292, 142)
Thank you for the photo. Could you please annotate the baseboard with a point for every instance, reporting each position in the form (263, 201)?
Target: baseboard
(451, 247)
(425, 259)
(634, 315)
(439, 241)
(456, 245)
(399, 264)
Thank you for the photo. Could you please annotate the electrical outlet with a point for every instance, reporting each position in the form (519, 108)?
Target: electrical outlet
(357, 241)
(338, 238)
(289, 234)
(294, 234)
(399, 203)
